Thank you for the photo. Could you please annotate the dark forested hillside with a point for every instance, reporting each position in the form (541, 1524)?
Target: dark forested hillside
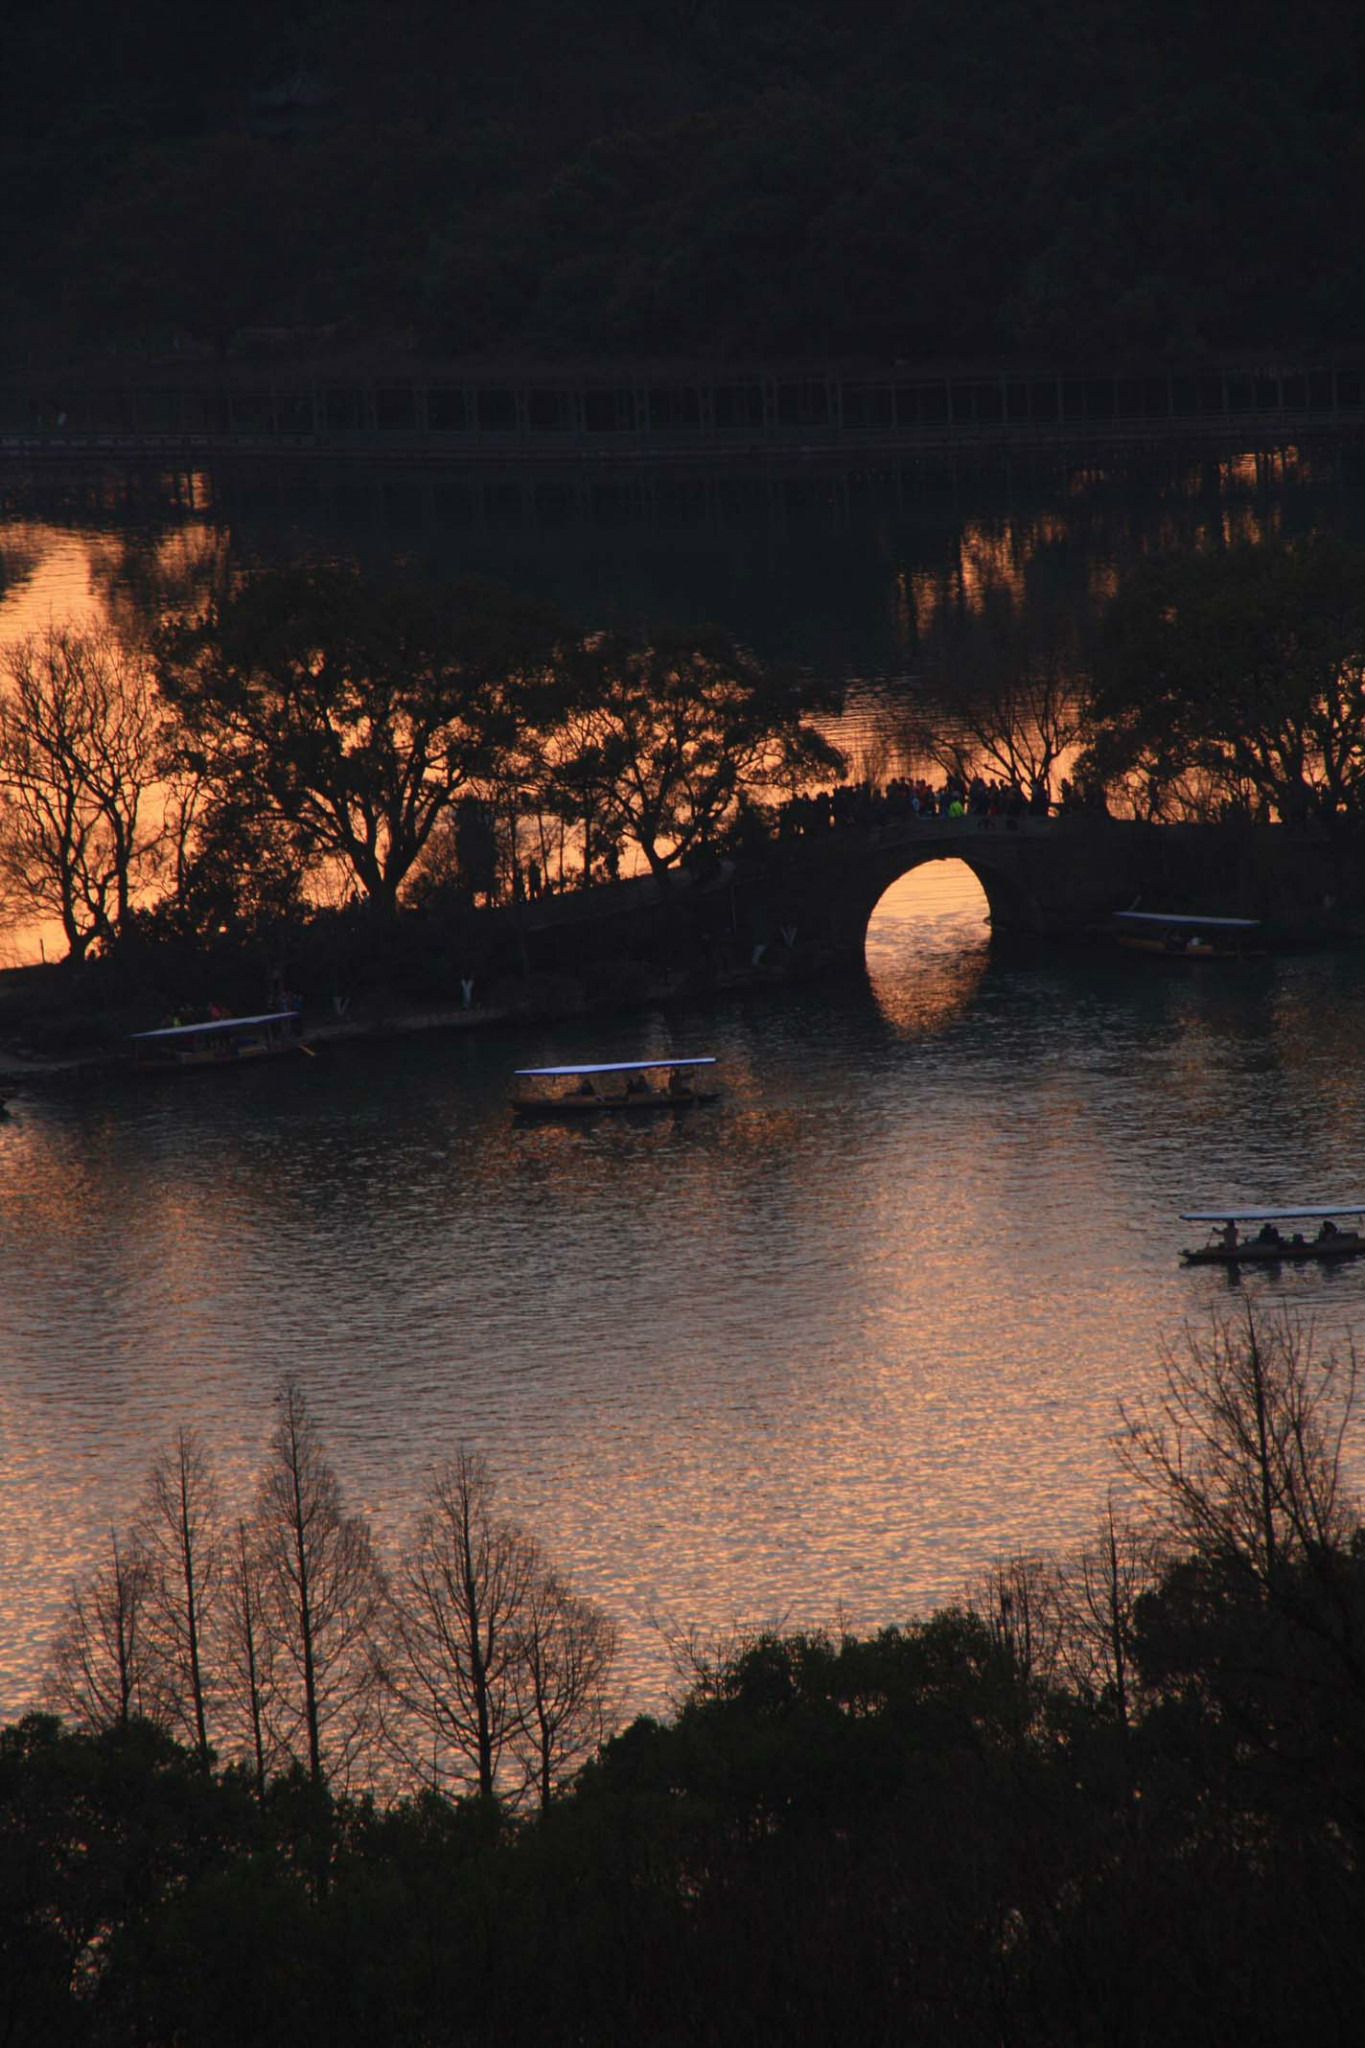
(555, 178)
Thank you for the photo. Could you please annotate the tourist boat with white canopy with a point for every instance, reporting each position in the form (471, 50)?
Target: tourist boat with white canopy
(219, 1041)
(612, 1085)
(1242, 1237)
(1178, 936)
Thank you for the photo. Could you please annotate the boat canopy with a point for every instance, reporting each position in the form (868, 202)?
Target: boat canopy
(219, 1024)
(611, 1067)
(1299, 1212)
(1183, 921)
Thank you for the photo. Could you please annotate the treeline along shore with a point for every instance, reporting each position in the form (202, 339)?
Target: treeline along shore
(287, 1787)
(435, 792)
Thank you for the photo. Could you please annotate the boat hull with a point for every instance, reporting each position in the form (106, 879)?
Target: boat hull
(214, 1042)
(198, 1062)
(1287, 1253)
(215, 1055)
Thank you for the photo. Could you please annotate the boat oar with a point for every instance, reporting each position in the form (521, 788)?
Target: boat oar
(308, 1049)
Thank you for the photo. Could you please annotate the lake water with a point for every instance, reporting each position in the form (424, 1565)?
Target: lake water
(825, 1349)
(899, 576)
(828, 1347)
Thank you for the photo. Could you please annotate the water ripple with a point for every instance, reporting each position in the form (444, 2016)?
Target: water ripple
(828, 1348)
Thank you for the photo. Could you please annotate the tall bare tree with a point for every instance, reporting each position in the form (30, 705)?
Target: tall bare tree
(1247, 1455)
(246, 1646)
(179, 1540)
(1018, 722)
(1242, 1452)
(80, 832)
(320, 1592)
(1019, 1601)
(1099, 1590)
(565, 1651)
(100, 1669)
(454, 1631)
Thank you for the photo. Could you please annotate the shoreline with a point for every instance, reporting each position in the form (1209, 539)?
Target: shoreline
(1077, 439)
(384, 410)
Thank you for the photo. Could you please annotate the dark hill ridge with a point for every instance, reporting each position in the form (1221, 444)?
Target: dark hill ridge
(675, 178)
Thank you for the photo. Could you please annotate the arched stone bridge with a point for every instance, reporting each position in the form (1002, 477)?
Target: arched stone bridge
(803, 906)
(1052, 878)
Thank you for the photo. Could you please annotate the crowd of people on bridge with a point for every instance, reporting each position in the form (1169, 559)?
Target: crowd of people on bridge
(905, 798)
(859, 806)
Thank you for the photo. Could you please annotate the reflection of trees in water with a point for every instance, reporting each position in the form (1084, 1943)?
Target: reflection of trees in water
(1013, 596)
(19, 557)
(914, 576)
(107, 569)
(928, 948)
(947, 532)
(1049, 545)
(144, 575)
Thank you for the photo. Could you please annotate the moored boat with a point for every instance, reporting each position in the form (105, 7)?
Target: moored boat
(1178, 936)
(1340, 1234)
(218, 1041)
(611, 1086)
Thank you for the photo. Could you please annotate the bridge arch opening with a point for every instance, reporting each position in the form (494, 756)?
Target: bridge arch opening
(927, 945)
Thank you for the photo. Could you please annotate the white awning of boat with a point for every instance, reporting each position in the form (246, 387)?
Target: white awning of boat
(1300, 1210)
(611, 1067)
(1184, 922)
(219, 1024)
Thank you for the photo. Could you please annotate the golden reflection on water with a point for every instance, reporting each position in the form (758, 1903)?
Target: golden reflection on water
(834, 1342)
(144, 577)
(48, 580)
(928, 946)
(834, 1345)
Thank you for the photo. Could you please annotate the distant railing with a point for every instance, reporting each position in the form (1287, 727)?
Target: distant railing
(717, 408)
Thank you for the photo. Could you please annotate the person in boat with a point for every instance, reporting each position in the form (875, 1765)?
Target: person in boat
(1229, 1235)
(1268, 1234)
(679, 1087)
(583, 1086)
(636, 1084)
(1328, 1232)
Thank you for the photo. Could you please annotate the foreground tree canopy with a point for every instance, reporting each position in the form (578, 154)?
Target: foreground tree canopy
(276, 1637)
(1114, 1796)
(906, 180)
